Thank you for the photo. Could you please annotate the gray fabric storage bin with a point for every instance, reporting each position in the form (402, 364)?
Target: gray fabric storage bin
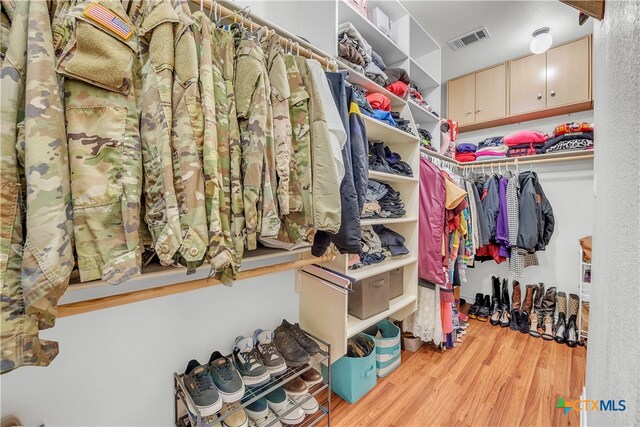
(396, 279)
(370, 296)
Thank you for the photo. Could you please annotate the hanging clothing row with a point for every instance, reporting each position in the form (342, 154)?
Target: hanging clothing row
(139, 129)
(467, 217)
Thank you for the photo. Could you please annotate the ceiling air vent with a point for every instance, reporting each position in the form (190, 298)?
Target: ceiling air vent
(472, 37)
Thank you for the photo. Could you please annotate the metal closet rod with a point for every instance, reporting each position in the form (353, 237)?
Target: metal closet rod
(516, 161)
(286, 42)
(87, 306)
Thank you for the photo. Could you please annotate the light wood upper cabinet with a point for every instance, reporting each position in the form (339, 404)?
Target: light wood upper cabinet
(461, 99)
(527, 81)
(491, 94)
(568, 73)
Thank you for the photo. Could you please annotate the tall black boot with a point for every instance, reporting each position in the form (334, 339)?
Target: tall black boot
(496, 305)
(485, 311)
(506, 306)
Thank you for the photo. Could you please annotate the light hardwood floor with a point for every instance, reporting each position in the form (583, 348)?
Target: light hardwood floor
(495, 377)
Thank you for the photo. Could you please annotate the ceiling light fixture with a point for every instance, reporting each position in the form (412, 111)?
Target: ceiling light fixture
(541, 40)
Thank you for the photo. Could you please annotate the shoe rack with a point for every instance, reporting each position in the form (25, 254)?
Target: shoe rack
(182, 399)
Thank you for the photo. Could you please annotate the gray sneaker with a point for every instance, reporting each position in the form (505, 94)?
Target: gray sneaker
(305, 341)
(293, 354)
(247, 360)
(226, 378)
(201, 389)
(268, 352)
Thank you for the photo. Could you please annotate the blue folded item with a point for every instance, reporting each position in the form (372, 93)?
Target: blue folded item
(493, 141)
(466, 148)
(384, 116)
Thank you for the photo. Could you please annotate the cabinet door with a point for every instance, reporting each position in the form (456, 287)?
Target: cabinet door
(491, 94)
(527, 84)
(461, 99)
(568, 73)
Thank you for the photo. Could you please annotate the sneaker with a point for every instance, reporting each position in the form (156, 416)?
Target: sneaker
(247, 361)
(305, 341)
(293, 354)
(257, 410)
(226, 378)
(311, 377)
(201, 389)
(296, 386)
(279, 403)
(238, 419)
(268, 352)
(269, 420)
(310, 406)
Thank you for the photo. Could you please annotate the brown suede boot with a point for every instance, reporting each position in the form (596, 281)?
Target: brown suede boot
(515, 306)
(523, 323)
(536, 317)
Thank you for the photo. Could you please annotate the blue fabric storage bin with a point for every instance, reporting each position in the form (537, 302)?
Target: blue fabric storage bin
(387, 347)
(353, 377)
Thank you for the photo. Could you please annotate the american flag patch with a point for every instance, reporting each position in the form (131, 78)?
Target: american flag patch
(109, 20)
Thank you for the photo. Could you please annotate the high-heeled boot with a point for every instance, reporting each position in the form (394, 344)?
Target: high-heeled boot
(572, 330)
(506, 306)
(473, 310)
(515, 306)
(561, 324)
(496, 305)
(535, 318)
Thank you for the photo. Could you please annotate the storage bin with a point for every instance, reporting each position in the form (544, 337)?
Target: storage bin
(387, 346)
(411, 343)
(370, 296)
(353, 377)
(396, 279)
(380, 20)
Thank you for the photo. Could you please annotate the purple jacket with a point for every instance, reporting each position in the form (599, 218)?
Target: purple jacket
(502, 223)
(432, 222)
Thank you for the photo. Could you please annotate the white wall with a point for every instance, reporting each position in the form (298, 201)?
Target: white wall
(116, 366)
(569, 188)
(613, 355)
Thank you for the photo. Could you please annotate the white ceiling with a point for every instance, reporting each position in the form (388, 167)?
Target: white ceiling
(510, 24)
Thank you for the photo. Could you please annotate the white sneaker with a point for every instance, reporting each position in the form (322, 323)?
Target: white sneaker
(309, 407)
(269, 418)
(280, 403)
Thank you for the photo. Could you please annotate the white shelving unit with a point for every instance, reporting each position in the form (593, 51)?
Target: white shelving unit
(323, 309)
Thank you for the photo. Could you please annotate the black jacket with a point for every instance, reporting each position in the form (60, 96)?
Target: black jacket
(353, 188)
(536, 215)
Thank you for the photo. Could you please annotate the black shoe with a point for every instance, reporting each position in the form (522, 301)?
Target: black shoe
(523, 322)
(572, 333)
(473, 310)
(561, 329)
(496, 303)
(305, 341)
(513, 322)
(485, 310)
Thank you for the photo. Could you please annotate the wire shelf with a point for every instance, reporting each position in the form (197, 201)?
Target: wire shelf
(252, 394)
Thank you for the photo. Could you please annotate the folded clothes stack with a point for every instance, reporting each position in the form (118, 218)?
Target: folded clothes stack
(382, 159)
(573, 136)
(525, 143)
(382, 201)
(416, 96)
(402, 124)
(425, 139)
(495, 152)
(379, 101)
(466, 152)
(378, 243)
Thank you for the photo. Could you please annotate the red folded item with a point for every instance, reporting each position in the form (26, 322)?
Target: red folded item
(525, 137)
(379, 102)
(571, 127)
(465, 157)
(398, 88)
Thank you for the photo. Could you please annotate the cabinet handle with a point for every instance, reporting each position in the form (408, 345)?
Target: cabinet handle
(469, 112)
(553, 93)
(478, 110)
(539, 96)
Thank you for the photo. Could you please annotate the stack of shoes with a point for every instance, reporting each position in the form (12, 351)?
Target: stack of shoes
(295, 346)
